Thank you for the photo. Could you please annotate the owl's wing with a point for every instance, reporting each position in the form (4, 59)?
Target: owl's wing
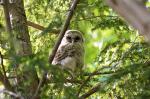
(60, 55)
(68, 50)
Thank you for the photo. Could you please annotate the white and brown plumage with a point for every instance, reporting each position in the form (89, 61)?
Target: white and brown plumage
(70, 53)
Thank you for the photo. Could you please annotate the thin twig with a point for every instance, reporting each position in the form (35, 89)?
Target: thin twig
(40, 84)
(73, 81)
(93, 17)
(99, 73)
(84, 83)
(96, 72)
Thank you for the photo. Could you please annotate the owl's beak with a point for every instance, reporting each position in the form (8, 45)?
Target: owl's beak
(72, 41)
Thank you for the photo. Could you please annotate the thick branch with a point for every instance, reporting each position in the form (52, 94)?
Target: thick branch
(63, 30)
(135, 13)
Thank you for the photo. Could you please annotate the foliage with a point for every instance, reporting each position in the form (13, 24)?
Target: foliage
(117, 57)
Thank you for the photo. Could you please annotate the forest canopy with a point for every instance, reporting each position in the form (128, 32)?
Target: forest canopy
(117, 56)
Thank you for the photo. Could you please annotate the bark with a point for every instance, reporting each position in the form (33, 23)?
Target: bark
(3, 77)
(8, 25)
(23, 47)
(20, 29)
(135, 13)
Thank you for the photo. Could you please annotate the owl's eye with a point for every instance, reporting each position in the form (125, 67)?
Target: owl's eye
(77, 38)
(68, 38)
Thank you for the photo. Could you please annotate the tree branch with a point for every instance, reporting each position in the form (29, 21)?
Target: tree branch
(40, 84)
(8, 26)
(16, 96)
(93, 17)
(84, 83)
(3, 68)
(135, 13)
(42, 28)
(67, 80)
(119, 73)
(36, 26)
(63, 30)
(6, 82)
(3, 78)
(99, 73)
(96, 72)
(91, 91)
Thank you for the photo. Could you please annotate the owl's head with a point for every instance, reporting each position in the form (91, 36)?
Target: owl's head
(73, 36)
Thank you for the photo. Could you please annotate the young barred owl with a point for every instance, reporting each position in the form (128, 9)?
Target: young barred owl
(70, 54)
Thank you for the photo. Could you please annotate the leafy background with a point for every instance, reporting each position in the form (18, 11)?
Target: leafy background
(113, 48)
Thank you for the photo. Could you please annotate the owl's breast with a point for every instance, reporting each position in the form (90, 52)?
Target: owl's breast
(70, 56)
(69, 62)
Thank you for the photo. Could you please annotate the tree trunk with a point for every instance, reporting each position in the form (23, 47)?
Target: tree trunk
(20, 29)
(22, 46)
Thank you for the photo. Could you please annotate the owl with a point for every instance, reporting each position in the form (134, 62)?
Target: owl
(70, 53)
